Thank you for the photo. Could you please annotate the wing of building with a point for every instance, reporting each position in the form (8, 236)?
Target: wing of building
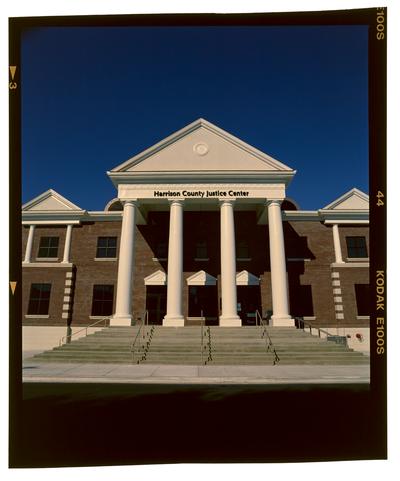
(200, 230)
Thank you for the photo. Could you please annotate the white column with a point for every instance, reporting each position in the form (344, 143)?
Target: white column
(123, 309)
(29, 244)
(174, 316)
(280, 305)
(67, 246)
(229, 315)
(336, 244)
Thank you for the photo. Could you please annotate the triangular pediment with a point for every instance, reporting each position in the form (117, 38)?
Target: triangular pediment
(245, 278)
(201, 278)
(354, 199)
(50, 201)
(201, 147)
(158, 278)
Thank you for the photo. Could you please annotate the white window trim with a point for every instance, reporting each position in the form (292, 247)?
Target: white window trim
(351, 264)
(46, 259)
(37, 316)
(45, 264)
(110, 259)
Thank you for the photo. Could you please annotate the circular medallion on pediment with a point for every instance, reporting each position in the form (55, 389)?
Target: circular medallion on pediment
(201, 148)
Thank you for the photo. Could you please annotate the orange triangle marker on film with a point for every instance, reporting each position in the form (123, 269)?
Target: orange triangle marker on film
(13, 68)
(13, 285)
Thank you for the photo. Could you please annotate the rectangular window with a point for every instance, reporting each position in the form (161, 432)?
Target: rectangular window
(106, 247)
(356, 247)
(161, 250)
(362, 299)
(201, 250)
(103, 300)
(48, 247)
(242, 250)
(39, 299)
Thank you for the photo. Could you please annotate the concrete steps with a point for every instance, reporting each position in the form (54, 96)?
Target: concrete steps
(182, 345)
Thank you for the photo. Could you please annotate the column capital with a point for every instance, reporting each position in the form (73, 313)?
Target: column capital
(223, 201)
(133, 202)
(269, 202)
(176, 201)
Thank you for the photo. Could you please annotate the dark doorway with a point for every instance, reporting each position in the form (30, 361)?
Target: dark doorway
(203, 302)
(156, 303)
(249, 301)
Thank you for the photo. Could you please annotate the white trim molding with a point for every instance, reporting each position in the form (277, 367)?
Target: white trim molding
(158, 278)
(245, 278)
(201, 278)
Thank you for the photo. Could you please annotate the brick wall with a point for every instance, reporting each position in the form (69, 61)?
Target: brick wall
(303, 240)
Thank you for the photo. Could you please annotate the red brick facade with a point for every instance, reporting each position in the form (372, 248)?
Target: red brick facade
(310, 262)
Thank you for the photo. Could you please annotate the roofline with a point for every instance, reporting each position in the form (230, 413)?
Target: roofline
(346, 195)
(191, 128)
(48, 193)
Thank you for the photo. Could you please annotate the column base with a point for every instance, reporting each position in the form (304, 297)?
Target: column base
(232, 321)
(177, 321)
(121, 321)
(282, 321)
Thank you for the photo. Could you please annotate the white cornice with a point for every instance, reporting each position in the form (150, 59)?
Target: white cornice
(344, 216)
(49, 221)
(312, 215)
(223, 177)
(104, 215)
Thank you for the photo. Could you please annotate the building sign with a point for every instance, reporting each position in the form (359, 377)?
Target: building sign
(201, 191)
(200, 194)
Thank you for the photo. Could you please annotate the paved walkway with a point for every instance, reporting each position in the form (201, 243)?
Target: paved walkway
(175, 374)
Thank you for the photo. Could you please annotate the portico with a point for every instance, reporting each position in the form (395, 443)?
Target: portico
(202, 168)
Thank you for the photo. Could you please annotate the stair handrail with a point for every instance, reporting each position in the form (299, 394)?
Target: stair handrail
(142, 324)
(301, 320)
(69, 336)
(264, 334)
(201, 340)
(207, 334)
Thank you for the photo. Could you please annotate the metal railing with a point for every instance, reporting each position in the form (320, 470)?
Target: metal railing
(143, 348)
(207, 345)
(68, 337)
(302, 324)
(202, 341)
(268, 341)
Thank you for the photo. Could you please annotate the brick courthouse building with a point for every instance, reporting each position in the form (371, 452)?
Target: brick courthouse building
(200, 228)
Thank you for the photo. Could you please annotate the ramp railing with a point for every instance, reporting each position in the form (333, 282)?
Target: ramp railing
(67, 339)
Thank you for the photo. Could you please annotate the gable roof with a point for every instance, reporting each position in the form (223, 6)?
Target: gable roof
(158, 278)
(50, 201)
(245, 278)
(200, 148)
(354, 199)
(201, 278)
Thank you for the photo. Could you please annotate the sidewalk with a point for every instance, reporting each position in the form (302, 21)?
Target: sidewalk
(176, 374)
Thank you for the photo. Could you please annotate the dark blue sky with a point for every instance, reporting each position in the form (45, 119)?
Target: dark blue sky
(94, 97)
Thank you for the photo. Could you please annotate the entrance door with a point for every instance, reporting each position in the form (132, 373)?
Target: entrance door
(156, 303)
(249, 300)
(203, 302)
